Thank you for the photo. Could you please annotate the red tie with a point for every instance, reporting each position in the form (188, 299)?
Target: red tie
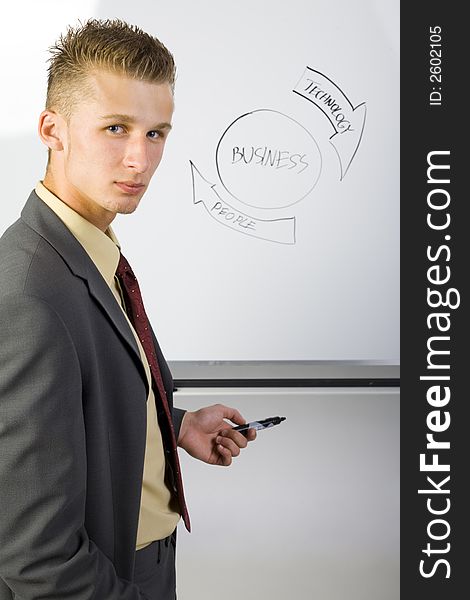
(136, 313)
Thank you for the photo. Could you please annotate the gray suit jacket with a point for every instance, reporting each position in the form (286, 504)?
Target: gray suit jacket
(73, 415)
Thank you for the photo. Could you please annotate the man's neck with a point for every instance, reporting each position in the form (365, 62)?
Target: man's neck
(101, 220)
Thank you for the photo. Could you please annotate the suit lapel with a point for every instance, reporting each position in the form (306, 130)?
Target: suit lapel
(37, 215)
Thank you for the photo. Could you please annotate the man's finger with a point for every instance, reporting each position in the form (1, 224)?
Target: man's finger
(238, 438)
(229, 444)
(251, 434)
(232, 414)
(225, 456)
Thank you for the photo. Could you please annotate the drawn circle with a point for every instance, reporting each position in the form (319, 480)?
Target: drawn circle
(265, 159)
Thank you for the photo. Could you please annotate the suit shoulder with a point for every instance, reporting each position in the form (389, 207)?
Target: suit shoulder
(28, 263)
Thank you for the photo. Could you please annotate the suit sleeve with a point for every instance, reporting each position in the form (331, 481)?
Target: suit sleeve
(178, 414)
(45, 551)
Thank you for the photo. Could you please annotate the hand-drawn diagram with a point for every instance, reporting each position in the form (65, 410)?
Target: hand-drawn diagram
(265, 159)
(348, 122)
(274, 230)
(268, 160)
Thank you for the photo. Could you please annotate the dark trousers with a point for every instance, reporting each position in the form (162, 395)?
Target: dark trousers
(155, 572)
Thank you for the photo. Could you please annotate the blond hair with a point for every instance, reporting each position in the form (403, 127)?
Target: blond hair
(110, 45)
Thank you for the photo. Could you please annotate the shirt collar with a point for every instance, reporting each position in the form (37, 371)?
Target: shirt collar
(102, 248)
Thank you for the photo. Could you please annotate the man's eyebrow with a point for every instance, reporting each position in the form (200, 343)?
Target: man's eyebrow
(130, 119)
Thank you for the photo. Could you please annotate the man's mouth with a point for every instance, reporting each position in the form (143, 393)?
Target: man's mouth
(130, 187)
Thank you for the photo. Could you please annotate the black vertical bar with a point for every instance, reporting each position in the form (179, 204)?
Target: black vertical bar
(434, 122)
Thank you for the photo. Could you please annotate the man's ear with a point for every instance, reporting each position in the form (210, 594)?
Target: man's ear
(51, 129)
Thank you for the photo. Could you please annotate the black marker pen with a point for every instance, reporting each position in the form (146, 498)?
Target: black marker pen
(263, 424)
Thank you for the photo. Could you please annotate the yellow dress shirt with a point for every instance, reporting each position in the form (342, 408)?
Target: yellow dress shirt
(158, 515)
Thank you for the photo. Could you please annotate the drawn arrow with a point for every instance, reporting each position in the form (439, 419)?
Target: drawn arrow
(347, 121)
(281, 231)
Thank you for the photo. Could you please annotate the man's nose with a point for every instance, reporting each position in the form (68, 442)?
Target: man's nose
(136, 156)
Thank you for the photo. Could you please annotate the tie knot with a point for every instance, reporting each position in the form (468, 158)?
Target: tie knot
(124, 268)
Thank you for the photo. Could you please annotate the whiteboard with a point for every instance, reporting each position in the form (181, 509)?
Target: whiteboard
(271, 228)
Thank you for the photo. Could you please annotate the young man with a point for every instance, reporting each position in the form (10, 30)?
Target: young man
(90, 488)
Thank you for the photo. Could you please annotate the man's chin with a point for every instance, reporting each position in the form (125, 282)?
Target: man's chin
(129, 207)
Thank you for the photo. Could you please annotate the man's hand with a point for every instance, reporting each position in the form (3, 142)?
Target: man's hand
(205, 435)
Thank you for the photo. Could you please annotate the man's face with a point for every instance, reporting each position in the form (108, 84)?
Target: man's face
(113, 142)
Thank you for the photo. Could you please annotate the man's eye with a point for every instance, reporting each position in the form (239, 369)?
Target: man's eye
(154, 134)
(115, 129)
